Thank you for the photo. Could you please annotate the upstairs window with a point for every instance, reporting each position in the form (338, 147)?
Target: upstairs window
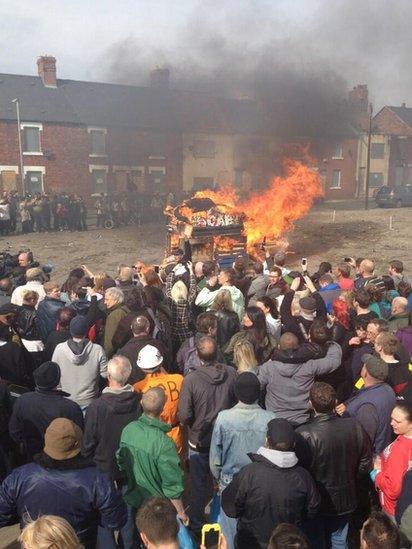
(31, 139)
(338, 152)
(203, 148)
(377, 150)
(98, 142)
(336, 180)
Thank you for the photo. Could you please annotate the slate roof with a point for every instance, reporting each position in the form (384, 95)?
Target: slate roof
(115, 105)
(404, 113)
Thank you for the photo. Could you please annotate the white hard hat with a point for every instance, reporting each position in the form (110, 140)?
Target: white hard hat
(149, 357)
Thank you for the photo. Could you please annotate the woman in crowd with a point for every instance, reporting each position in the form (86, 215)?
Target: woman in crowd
(255, 331)
(13, 365)
(270, 310)
(27, 328)
(49, 532)
(61, 333)
(244, 357)
(379, 303)
(391, 466)
(227, 320)
(339, 321)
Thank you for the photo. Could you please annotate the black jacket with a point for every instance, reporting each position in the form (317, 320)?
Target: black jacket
(13, 366)
(53, 339)
(297, 324)
(227, 325)
(47, 315)
(105, 419)
(337, 452)
(205, 392)
(34, 411)
(263, 495)
(26, 324)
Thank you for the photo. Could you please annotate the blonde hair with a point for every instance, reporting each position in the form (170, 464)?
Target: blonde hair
(98, 281)
(244, 356)
(179, 291)
(30, 295)
(49, 532)
(222, 301)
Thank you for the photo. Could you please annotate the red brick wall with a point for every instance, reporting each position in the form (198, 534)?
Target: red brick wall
(388, 123)
(347, 167)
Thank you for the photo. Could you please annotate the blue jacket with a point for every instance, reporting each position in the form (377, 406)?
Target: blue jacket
(237, 432)
(74, 489)
(329, 293)
(47, 315)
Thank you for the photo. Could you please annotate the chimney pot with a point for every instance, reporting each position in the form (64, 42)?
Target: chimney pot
(46, 65)
(159, 79)
(404, 105)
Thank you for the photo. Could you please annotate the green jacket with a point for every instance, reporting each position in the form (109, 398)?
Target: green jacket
(149, 459)
(114, 316)
(399, 321)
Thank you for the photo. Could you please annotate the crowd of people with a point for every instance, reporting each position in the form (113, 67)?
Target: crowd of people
(139, 406)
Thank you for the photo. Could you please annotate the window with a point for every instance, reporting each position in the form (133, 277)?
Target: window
(98, 139)
(34, 182)
(157, 177)
(203, 148)
(158, 147)
(338, 152)
(377, 150)
(31, 139)
(336, 184)
(376, 179)
(99, 181)
(201, 183)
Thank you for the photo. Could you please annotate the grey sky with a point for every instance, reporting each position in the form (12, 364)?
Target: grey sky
(360, 41)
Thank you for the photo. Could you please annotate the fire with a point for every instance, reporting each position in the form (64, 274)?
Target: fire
(272, 212)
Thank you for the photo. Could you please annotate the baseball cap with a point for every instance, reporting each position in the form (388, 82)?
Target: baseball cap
(308, 303)
(376, 367)
(149, 357)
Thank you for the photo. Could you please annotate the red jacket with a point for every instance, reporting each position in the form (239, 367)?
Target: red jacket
(396, 460)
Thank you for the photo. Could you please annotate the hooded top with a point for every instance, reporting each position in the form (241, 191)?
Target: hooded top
(206, 297)
(81, 364)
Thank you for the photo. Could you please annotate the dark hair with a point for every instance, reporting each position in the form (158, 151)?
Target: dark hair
(344, 269)
(404, 288)
(239, 266)
(156, 519)
(326, 279)
(319, 332)
(288, 536)
(270, 304)
(231, 275)
(209, 267)
(5, 333)
(65, 316)
(363, 298)
(381, 323)
(396, 265)
(375, 293)
(258, 267)
(389, 282)
(296, 274)
(406, 408)
(258, 331)
(323, 397)
(135, 299)
(277, 270)
(358, 261)
(379, 532)
(140, 325)
(206, 349)
(324, 267)
(205, 322)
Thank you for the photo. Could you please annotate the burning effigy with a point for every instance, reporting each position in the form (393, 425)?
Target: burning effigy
(220, 224)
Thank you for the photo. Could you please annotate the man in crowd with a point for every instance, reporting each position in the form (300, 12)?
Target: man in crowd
(124, 280)
(345, 281)
(115, 310)
(150, 362)
(6, 289)
(206, 297)
(148, 458)
(205, 392)
(337, 452)
(34, 282)
(48, 309)
(34, 411)
(361, 302)
(271, 490)
(372, 405)
(366, 275)
(61, 482)
(237, 432)
(287, 384)
(399, 314)
(399, 376)
(396, 272)
(277, 286)
(141, 338)
(379, 531)
(329, 290)
(157, 524)
(259, 283)
(82, 364)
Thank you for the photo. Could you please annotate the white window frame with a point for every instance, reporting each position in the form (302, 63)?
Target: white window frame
(96, 167)
(14, 169)
(91, 129)
(157, 169)
(40, 169)
(32, 125)
(340, 181)
(341, 152)
(129, 169)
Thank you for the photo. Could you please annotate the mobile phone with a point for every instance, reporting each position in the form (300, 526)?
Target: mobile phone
(211, 535)
(304, 263)
(156, 268)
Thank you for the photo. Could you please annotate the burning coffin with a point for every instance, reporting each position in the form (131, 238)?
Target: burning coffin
(215, 230)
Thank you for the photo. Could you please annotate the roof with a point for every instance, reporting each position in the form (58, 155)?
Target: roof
(404, 113)
(108, 105)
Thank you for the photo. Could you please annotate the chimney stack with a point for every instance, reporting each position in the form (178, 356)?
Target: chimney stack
(46, 66)
(159, 79)
(358, 97)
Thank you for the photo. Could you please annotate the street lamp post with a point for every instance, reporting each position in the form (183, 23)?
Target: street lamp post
(368, 158)
(17, 103)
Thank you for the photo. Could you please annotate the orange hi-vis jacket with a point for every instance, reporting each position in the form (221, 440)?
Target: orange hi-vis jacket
(171, 384)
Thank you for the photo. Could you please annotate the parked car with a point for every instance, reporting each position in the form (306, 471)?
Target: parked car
(395, 197)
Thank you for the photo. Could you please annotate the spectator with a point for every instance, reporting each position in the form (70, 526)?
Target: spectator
(396, 272)
(82, 363)
(157, 525)
(361, 302)
(77, 292)
(379, 532)
(34, 283)
(60, 481)
(115, 310)
(404, 506)
(260, 282)
(279, 260)
(244, 357)
(13, 365)
(337, 452)
(237, 432)
(345, 282)
(378, 304)
(125, 280)
(373, 403)
(227, 320)
(48, 309)
(399, 314)
(329, 290)
(150, 362)
(367, 276)
(277, 286)
(241, 280)
(271, 490)
(141, 337)
(288, 384)
(405, 290)
(269, 308)
(399, 376)
(324, 268)
(206, 297)
(26, 326)
(149, 460)
(49, 531)
(206, 391)
(6, 289)
(288, 536)
(392, 464)
(34, 411)
(61, 333)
